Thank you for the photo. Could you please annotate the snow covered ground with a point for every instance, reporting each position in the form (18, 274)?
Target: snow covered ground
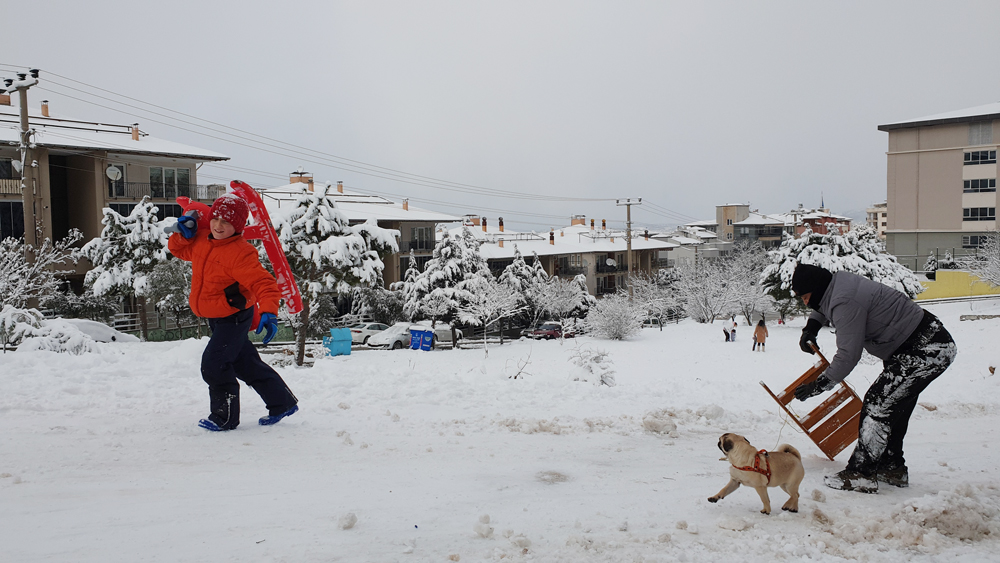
(101, 459)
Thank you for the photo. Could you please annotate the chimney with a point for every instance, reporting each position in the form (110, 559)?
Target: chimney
(647, 234)
(300, 176)
(4, 98)
(45, 108)
(604, 224)
(340, 189)
(135, 131)
(562, 233)
(406, 201)
(500, 225)
(591, 224)
(552, 236)
(578, 220)
(612, 239)
(484, 224)
(500, 242)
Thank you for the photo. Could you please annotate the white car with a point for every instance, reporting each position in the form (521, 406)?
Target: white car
(361, 332)
(398, 335)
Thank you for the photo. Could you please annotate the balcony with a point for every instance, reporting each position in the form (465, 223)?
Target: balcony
(10, 186)
(138, 190)
(605, 269)
(570, 271)
(421, 245)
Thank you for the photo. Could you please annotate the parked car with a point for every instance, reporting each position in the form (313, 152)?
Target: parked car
(651, 323)
(550, 330)
(361, 332)
(398, 335)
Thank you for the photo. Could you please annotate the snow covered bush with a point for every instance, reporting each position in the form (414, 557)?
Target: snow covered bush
(66, 304)
(986, 263)
(931, 264)
(57, 335)
(327, 254)
(383, 306)
(595, 366)
(22, 280)
(705, 290)
(17, 324)
(745, 266)
(527, 281)
(859, 251)
(615, 317)
(560, 298)
(169, 286)
(125, 254)
(488, 302)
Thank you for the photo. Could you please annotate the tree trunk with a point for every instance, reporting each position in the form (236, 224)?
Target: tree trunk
(143, 321)
(300, 338)
(501, 331)
(454, 339)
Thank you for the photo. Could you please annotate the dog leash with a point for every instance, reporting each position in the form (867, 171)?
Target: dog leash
(756, 466)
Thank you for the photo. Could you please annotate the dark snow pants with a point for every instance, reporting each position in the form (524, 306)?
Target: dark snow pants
(230, 356)
(891, 399)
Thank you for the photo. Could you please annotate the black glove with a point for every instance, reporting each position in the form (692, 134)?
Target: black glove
(809, 334)
(813, 388)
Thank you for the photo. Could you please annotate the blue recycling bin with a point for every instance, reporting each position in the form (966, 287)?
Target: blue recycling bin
(421, 339)
(427, 340)
(339, 342)
(415, 336)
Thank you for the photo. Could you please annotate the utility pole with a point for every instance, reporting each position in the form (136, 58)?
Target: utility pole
(628, 203)
(28, 180)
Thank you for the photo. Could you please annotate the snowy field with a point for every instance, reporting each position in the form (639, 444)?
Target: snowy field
(101, 459)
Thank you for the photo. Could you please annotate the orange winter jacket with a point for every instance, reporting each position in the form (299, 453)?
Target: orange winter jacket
(227, 276)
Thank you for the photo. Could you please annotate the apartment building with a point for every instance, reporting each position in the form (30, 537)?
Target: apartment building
(728, 214)
(86, 166)
(941, 183)
(877, 217)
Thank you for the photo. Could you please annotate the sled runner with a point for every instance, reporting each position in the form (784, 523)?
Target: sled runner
(833, 425)
(262, 229)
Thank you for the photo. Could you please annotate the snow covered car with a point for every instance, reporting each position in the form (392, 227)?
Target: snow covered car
(550, 330)
(361, 332)
(395, 337)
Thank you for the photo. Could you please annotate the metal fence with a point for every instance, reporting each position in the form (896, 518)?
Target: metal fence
(137, 190)
(10, 186)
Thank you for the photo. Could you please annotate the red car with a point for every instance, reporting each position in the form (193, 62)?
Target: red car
(550, 330)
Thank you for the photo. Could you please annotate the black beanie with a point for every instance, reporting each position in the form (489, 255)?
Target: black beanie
(810, 279)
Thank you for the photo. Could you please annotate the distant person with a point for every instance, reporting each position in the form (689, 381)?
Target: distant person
(915, 349)
(732, 330)
(227, 281)
(759, 335)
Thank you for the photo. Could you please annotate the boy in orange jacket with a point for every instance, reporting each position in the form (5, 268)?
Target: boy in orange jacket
(227, 280)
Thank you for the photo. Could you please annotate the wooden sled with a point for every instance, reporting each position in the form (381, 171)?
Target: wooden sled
(833, 425)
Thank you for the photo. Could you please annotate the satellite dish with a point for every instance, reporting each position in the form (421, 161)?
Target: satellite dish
(16, 164)
(611, 262)
(114, 173)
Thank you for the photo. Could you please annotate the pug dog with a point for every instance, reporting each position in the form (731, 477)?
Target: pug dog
(781, 468)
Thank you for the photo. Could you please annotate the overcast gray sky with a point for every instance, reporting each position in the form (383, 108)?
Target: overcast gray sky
(685, 104)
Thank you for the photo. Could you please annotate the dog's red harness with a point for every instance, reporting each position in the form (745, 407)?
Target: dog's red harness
(766, 472)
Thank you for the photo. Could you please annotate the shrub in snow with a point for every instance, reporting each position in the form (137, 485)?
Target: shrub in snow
(561, 298)
(22, 280)
(170, 284)
(948, 262)
(57, 335)
(616, 317)
(125, 255)
(656, 296)
(859, 251)
(383, 306)
(17, 324)
(66, 304)
(487, 303)
(595, 366)
(931, 264)
(705, 290)
(327, 254)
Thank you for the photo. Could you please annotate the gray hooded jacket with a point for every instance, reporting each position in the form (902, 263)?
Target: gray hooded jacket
(867, 315)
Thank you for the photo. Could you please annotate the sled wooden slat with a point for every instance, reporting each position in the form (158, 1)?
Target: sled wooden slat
(833, 425)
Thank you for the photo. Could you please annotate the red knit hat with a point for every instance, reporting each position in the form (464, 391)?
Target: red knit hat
(232, 208)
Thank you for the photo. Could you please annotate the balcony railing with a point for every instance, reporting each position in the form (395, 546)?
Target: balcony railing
(570, 270)
(10, 186)
(137, 190)
(605, 269)
(421, 245)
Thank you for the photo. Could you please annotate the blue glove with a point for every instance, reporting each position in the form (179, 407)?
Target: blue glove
(270, 322)
(187, 225)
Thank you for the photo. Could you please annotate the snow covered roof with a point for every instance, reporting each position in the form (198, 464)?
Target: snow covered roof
(686, 240)
(58, 132)
(357, 206)
(984, 112)
(758, 219)
(703, 223)
(816, 216)
(573, 239)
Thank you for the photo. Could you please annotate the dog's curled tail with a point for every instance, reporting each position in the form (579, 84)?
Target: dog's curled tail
(786, 448)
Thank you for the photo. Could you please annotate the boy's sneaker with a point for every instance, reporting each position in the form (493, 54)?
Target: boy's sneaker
(274, 418)
(897, 477)
(207, 424)
(848, 480)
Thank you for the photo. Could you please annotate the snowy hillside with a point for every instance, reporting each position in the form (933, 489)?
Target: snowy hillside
(443, 456)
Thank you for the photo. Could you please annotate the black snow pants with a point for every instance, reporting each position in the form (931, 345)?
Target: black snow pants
(230, 356)
(891, 399)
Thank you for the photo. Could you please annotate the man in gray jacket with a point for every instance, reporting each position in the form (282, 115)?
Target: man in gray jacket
(915, 349)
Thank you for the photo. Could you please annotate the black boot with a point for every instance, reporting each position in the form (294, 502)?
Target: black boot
(850, 480)
(225, 411)
(897, 477)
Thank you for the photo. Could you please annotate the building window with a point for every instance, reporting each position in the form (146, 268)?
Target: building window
(729, 221)
(11, 219)
(164, 210)
(984, 185)
(729, 236)
(169, 182)
(981, 133)
(973, 241)
(123, 209)
(422, 238)
(6, 169)
(116, 188)
(981, 157)
(979, 214)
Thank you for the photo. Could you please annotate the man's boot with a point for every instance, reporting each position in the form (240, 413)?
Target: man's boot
(850, 480)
